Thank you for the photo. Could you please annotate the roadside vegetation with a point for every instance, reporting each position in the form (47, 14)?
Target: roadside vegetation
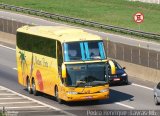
(111, 12)
(2, 114)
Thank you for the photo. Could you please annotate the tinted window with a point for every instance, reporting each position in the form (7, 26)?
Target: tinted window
(91, 50)
(86, 74)
(59, 54)
(36, 44)
(24, 41)
(118, 67)
(74, 51)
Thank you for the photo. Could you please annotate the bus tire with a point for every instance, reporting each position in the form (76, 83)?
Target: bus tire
(35, 92)
(57, 96)
(29, 89)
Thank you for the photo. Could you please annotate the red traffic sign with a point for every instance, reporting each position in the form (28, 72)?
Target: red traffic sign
(138, 17)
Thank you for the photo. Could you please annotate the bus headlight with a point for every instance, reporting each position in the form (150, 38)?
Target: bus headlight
(104, 90)
(72, 92)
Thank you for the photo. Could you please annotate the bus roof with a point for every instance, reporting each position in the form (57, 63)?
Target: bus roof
(61, 33)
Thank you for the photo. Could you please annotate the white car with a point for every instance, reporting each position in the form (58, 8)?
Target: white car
(157, 94)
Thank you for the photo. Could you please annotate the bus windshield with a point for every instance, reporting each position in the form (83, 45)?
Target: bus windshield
(92, 74)
(91, 50)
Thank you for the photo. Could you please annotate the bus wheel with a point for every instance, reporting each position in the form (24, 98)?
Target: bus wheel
(57, 96)
(28, 86)
(35, 92)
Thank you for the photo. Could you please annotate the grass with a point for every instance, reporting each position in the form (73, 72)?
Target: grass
(111, 12)
(2, 114)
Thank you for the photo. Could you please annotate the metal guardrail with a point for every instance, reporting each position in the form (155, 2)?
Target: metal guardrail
(80, 21)
(148, 1)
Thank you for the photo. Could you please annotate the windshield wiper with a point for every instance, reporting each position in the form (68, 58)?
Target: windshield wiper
(95, 57)
(78, 83)
(95, 83)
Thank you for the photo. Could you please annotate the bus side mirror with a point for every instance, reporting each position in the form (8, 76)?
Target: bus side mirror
(64, 72)
(112, 67)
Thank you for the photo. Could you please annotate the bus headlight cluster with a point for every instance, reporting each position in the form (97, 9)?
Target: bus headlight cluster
(72, 92)
(104, 90)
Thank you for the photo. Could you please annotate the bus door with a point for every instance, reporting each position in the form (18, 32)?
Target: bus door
(59, 63)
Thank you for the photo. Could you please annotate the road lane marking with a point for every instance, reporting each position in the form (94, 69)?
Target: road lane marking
(24, 107)
(11, 98)
(142, 86)
(124, 105)
(6, 94)
(6, 103)
(39, 102)
(7, 47)
(23, 96)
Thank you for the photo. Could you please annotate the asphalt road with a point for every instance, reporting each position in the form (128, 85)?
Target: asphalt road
(138, 95)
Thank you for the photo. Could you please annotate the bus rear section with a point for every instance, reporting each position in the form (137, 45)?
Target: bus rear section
(58, 61)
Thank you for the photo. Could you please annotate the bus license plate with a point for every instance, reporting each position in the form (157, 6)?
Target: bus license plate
(89, 97)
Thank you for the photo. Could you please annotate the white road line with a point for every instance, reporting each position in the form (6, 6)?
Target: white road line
(6, 94)
(130, 107)
(23, 96)
(5, 103)
(39, 102)
(142, 86)
(11, 98)
(24, 107)
(14, 68)
(7, 47)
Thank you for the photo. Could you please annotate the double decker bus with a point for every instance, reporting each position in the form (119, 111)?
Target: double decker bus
(64, 62)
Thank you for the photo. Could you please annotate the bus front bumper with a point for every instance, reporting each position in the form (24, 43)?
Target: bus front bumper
(86, 97)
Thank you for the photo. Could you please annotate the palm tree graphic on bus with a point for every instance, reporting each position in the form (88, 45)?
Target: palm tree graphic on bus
(23, 61)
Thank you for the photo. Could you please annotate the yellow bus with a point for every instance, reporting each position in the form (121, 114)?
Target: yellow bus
(64, 62)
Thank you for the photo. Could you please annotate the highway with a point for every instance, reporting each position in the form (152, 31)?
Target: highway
(138, 95)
